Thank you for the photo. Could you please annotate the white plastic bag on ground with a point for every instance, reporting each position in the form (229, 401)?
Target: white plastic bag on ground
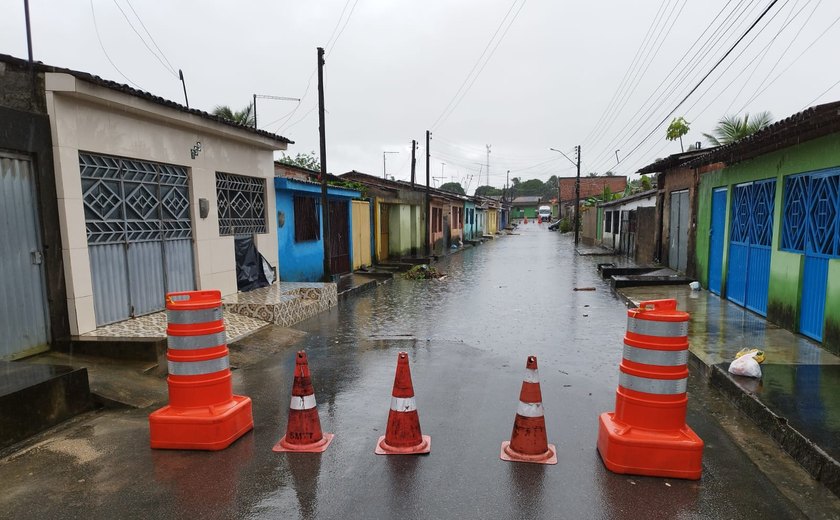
(745, 366)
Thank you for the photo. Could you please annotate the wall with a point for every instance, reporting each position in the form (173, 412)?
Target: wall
(677, 180)
(521, 212)
(361, 233)
(785, 267)
(588, 225)
(612, 239)
(299, 261)
(400, 231)
(590, 186)
(645, 235)
(100, 120)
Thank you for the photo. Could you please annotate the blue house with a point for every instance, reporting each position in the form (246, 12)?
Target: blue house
(300, 229)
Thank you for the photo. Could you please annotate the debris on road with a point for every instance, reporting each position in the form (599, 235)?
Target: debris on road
(583, 289)
(422, 272)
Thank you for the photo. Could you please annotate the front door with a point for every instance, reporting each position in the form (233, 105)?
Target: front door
(23, 321)
(339, 237)
(751, 232)
(384, 224)
(822, 195)
(716, 239)
(678, 231)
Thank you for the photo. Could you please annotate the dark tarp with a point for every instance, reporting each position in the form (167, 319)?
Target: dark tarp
(252, 270)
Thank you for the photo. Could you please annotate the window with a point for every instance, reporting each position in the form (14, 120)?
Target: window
(307, 223)
(241, 202)
(456, 218)
(810, 222)
(437, 220)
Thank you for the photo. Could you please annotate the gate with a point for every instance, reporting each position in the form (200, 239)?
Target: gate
(137, 215)
(811, 227)
(751, 231)
(716, 241)
(23, 322)
(678, 231)
(339, 237)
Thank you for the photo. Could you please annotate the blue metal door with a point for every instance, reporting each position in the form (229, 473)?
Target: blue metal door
(820, 244)
(716, 236)
(748, 273)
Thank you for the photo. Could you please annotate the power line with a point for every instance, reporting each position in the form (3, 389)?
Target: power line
(130, 24)
(102, 46)
(342, 28)
(171, 67)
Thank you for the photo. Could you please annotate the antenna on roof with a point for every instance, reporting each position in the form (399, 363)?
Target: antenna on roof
(181, 76)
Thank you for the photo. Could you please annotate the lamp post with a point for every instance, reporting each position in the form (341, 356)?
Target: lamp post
(384, 154)
(577, 190)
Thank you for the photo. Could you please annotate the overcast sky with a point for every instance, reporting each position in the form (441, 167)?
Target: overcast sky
(552, 73)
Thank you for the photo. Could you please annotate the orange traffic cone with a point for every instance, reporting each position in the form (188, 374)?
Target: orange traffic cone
(303, 432)
(403, 435)
(647, 434)
(528, 442)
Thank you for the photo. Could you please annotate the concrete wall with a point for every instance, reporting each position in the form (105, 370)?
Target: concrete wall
(612, 238)
(785, 267)
(645, 235)
(96, 119)
(588, 225)
(299, 261)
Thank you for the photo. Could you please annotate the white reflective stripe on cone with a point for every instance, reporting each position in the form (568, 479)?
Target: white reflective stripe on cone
(653, 386)
(663, 358)
(662, 329)
(196, 342)
(196, 368)
(196, 316)
(305, 402)
(529, 409)
(531, 375)
(403, 404)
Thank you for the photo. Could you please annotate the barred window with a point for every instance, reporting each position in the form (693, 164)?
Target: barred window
(307, 223)
(241, 202)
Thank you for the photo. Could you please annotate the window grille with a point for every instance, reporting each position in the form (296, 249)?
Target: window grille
(810, 223)
(241, 202)
(307, 223)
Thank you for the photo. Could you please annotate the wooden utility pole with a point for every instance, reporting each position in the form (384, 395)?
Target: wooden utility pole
(577, 199)
(428, 200)
(325, 208)
(413, 161)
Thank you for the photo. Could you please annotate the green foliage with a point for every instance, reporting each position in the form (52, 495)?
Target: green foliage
(732, 128)
(350, 185)
(677, 129)
(566, 224)
(243, 117)
(592, 174)
(310, 161)
(453, 187)
(645, 182)
(487, 191)
(606, 195)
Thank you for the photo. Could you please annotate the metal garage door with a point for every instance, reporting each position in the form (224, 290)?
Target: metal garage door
(678, 231)
(137, 215)
(751, 232)
(23, 321)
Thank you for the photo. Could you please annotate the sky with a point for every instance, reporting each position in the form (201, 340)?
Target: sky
(522, 76)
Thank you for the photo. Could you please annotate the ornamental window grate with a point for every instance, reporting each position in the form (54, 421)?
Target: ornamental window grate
(811, 220)
(241, 203)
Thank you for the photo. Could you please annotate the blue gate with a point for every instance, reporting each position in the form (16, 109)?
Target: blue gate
(811, 227)
(716, 236)
(748, 272)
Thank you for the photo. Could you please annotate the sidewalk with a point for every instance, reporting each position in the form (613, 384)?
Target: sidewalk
(796, 401)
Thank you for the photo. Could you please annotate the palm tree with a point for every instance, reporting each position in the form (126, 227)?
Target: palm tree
(243, 117)
(732, 128)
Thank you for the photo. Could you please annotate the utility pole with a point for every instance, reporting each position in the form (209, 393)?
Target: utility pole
(184, 84)
(488, 163)
(254, 108)
(577, 199)
(33, 83)
(385, 175)
(413, 161)
(325, 210)
(428, 200)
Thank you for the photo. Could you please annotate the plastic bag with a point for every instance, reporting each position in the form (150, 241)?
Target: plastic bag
(745, 365)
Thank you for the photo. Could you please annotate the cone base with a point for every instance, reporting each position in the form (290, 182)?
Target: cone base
(383, 448)
(314, 447)
(508, 454)
(209, 428)
(634, 451)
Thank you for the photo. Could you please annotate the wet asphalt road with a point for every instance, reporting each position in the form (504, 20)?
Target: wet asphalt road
(468, 337)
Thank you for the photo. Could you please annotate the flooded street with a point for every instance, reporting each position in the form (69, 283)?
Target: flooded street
(467, 337)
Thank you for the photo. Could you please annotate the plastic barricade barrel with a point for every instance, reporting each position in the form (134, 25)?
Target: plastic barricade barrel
(203, 413)
(647, 433)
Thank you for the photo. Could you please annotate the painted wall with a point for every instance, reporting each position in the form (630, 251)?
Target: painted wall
(785, 268)
(361, 233)
(100, 120)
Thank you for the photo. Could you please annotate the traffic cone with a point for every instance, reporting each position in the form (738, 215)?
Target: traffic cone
(403, 435)
(647, 434)
(528, 442)
(303, 432)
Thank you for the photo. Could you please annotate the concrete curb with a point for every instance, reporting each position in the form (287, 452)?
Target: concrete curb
(354, 291)
(819, 464)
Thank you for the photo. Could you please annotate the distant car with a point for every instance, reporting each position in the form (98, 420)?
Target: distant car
(545, 213)
(554, 226)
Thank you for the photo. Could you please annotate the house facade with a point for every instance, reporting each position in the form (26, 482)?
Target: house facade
(620, 224)
(768, 223)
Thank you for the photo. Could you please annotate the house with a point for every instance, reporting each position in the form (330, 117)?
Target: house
(768, 223)
(525, 207)
(621, 221)
(398, 216)
(589, 187)
(300, 229)
(674, 241)
(131, 196)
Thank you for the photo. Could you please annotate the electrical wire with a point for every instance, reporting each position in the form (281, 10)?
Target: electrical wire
(145, 44)
(102, 46)
(146, 30)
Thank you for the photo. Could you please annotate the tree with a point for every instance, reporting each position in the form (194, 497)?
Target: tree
(676, 130)
(645, 181)
(453, 187)
(732, 128)
(592, 174)
(487, 191)
(310, 161)
(243, 117)
(609, 173)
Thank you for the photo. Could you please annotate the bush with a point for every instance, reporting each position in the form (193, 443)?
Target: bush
(566, 225)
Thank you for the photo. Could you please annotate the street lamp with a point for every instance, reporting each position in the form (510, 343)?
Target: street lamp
(384, 175)
(577, 191)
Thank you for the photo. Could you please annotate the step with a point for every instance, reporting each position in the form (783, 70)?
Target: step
(607, 270)
(34, 397)
(125, 348)
(635, 280)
